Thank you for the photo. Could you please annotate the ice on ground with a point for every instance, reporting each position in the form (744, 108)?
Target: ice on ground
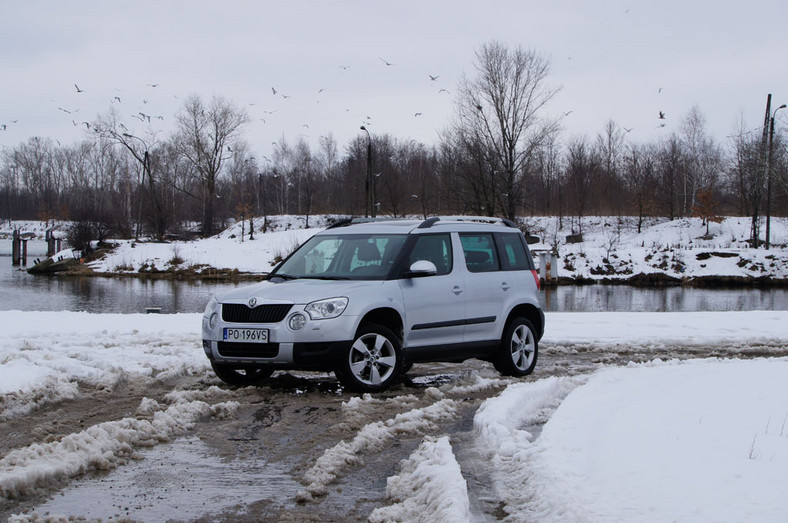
(100, 447)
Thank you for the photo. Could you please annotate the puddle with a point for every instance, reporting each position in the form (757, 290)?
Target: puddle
(181, 480)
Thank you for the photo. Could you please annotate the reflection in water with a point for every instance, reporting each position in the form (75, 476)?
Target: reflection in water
(592, 298)
(22, 291)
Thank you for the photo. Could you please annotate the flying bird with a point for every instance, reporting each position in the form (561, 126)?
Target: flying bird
(417, 114)
(3, 126)
(78, 89)
(628, 130)
(117, 98)
(386, 61)
(433, 78)
(64, 110)
(274, 90)
(344, 67)
(443, 91)
(152, 85)
(661, 115)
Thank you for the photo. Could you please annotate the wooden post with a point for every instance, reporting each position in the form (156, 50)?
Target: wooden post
(15, 248)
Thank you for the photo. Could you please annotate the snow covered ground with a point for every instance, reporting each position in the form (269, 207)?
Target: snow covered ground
(700, 440)
(611, 249)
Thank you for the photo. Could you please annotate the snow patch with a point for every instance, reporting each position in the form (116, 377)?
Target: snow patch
(370, 438)
(430, 487)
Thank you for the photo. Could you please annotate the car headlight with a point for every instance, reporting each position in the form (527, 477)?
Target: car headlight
(212, 306)
(325, 309)
(210, 317)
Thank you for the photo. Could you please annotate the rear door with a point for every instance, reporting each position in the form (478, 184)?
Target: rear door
(487, 287)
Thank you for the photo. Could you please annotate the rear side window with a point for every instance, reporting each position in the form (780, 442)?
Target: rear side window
(480, 253)
(514, 253)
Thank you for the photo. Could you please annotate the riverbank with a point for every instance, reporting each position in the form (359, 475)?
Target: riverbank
(664, 253)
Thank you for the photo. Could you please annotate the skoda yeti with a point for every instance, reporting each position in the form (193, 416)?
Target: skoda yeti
(367, 299)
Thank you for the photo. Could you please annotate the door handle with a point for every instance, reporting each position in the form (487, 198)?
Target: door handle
(456, 290)
(505, 286)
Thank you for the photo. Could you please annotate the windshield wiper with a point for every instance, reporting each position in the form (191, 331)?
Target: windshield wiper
(326, 277)
(283, 276)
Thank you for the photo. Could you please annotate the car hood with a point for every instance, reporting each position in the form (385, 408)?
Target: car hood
(297, 291)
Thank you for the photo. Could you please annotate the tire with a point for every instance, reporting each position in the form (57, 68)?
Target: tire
(373, 362)
(519, 349)
(239, 376)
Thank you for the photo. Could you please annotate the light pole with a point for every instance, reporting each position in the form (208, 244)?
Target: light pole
(769, 178)
(369, 191)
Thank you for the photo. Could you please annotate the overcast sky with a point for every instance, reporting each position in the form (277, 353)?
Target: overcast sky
(623, 60)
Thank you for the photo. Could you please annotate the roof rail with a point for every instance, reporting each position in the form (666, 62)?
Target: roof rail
(344, 222)
(340, 223)
(429, 222)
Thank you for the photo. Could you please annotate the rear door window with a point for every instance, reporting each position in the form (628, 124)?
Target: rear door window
(480, 252)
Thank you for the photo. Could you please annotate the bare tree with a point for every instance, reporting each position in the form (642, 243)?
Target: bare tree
(501, 108)
(205, 137)
(702, 166)
(610, 146)
(582, 167)
(110, 128)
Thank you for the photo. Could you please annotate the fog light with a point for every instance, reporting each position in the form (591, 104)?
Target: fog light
(297, 321)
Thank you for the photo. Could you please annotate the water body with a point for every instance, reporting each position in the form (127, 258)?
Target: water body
(22, 291)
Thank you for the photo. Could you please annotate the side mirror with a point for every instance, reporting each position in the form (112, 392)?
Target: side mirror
(421, 268)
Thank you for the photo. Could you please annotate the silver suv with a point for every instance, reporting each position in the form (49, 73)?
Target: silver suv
(367, 299)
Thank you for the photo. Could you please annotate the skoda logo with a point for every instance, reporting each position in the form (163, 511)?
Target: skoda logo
(252, 302)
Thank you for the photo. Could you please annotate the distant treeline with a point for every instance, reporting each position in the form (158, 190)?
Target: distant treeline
(499, 156)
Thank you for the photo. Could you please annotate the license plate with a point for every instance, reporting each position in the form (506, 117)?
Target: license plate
(253, 335)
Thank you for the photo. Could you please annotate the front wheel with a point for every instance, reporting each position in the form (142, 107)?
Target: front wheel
(519, 348)
(239, 376)
(373, 362)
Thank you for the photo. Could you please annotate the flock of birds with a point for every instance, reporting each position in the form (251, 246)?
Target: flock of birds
(71, 110)
(147, 117)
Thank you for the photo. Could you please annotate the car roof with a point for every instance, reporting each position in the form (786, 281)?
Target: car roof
(433, 224)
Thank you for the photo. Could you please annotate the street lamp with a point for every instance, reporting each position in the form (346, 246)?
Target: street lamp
(769, 178)
(369, 193)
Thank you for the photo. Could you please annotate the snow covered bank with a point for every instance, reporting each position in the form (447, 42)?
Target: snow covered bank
(703, 440)
(612, 249)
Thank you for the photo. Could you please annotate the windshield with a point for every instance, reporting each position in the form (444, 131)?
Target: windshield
(343, 257)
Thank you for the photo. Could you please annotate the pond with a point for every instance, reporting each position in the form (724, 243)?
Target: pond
(22, 291)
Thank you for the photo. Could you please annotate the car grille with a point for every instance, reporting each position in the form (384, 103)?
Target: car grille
(247, 350)
(238, 313)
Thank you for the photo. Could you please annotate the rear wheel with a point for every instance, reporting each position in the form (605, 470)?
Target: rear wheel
(240, 376)
(374, 360)
(519, 349)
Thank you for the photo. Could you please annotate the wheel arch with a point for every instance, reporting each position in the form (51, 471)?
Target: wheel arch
(531, 313)
(386, 316)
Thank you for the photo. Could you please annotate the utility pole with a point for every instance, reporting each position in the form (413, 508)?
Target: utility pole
(764, 161)
(368, 192)
(769, 162)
